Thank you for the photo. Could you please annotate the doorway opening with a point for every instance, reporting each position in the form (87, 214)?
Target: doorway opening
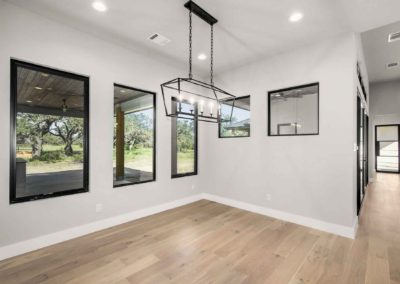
(387, 148)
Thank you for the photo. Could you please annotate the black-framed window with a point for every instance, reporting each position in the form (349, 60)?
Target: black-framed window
(239, 125)
(294, 111)
(134, 146)
(49, 132)
(184, 141)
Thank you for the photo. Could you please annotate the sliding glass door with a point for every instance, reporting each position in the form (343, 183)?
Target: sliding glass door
(387, 148)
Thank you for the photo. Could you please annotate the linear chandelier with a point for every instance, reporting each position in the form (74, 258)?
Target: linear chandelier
(190, 98)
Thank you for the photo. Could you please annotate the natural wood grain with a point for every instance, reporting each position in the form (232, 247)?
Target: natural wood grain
(206, 242)
(39, 89)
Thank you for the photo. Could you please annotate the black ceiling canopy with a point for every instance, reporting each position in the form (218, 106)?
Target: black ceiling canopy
(200, 12)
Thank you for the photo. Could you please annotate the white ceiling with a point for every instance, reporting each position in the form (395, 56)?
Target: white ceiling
(378, 53)
(246, 31)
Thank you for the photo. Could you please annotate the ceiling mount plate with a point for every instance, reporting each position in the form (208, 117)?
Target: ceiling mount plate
(200, 12)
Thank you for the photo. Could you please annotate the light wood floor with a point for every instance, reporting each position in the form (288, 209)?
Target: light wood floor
(206, 242)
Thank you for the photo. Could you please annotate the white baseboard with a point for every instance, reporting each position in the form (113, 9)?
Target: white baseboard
(61, 236)
(348, 232)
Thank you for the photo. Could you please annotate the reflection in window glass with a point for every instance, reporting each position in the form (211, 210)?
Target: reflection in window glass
(387, 159)
(184, 142)
(239, 125)
(133, 151)
(50, 127)
(294, 111)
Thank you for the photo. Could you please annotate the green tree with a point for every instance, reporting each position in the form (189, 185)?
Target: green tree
(138, 130)
(32, 128)
(70, 130)
(185, 136)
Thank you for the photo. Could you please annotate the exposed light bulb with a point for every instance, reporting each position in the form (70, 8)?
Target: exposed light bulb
(201, 106)
(211, 105)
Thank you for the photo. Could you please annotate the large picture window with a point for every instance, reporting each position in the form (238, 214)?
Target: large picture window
(49, 132)
(134, 136)
(184, 141)
(239, 125)
(294, 111)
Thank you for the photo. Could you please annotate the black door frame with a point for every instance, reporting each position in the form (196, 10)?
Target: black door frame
(358, 155)
(364, 157)
(377, 148)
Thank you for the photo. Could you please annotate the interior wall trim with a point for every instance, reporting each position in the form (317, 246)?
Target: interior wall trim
(71, 233)
(75, 232)
(344, 231)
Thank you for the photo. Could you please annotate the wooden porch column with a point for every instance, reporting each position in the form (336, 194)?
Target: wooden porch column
(120, 144)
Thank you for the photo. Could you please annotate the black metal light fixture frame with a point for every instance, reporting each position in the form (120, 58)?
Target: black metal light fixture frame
(217, 94)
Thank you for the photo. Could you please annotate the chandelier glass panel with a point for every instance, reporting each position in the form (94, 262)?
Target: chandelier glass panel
(190, 98)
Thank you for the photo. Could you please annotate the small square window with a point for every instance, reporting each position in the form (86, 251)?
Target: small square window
(239, 125)
(294, 111)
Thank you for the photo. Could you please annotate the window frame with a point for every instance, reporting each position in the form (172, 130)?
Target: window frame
(376, 145)
(14, 64)
(154, 94)
(289, 89)
(196, 128)
(219, 124)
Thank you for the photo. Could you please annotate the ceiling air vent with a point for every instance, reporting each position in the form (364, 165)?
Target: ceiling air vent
(392, 65)
(394, 37)
(159, 39)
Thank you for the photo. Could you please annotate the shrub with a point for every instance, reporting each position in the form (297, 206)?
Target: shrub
(50, 156)
(78, 157)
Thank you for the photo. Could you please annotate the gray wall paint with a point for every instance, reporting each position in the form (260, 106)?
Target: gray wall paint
(307, 175)
(384, 109)
(26, 36)
(311, 176)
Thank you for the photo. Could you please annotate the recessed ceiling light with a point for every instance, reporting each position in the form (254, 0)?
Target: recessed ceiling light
(45, 75)
(295, 17)
(28, 102)
(202, 56)
(122, 91)
(99, 6)
(38, 88)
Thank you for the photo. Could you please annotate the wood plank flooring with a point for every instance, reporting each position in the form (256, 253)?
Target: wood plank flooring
(206, 242)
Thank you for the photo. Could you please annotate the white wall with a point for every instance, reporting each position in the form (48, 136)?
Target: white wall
(27, 36)
(384, 109)
(311, 176)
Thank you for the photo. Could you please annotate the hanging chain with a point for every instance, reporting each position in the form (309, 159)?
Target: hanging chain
(212, 56)
(190, 45)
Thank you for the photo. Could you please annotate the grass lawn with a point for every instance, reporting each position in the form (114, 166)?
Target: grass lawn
(142, 159)
(62, 163)
(186, 162)
(138, 159)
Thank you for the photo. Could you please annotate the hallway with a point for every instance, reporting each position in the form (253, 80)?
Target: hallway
(376, 250)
